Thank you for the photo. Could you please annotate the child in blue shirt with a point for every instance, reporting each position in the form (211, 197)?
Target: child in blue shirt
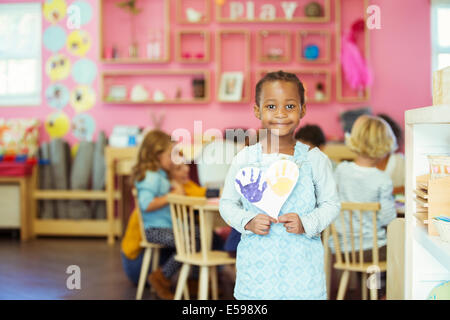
(150, 176)
(281, 258)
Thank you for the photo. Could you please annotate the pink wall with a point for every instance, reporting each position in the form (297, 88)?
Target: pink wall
(400, 58)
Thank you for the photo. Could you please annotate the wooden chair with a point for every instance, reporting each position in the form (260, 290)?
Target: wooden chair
(183, 222)
(148, 247)
(346, 258)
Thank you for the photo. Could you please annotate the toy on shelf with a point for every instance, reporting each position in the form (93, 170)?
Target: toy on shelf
(139, 94)
(154, 45)
(311, 52)
(117, 93)
(198, 87)
(319, 94)
(193, 15)
(159, 96)
(313, 10)
(275, 54)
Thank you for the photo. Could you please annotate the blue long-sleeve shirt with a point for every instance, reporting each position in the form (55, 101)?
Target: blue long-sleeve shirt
(155, 184)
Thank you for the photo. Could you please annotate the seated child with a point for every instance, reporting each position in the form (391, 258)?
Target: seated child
(394, 162)
(360, 181)
(311, 135)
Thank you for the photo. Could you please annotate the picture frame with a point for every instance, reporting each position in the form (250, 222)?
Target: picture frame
(231, 85)
(117, 93)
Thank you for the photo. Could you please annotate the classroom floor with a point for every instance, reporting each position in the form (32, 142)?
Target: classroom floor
(37, 270)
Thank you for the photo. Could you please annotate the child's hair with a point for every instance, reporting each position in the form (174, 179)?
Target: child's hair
(280, 76)
(396, 129)
(311, 133)
(371, 137)
(154, 143)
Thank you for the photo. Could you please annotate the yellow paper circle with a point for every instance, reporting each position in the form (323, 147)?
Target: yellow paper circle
(78, 42)
(54, 10)
(57, 125)
(57, 67)
(82, 98)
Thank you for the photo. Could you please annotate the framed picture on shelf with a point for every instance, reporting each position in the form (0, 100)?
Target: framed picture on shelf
(117, 93)
(231, 84)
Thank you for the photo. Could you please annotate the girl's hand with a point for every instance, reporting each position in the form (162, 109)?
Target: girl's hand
(260, 224)
(292, 223)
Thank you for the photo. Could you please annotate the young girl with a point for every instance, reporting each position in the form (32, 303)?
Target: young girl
(361, 181)
(281, 258)
(150, 175)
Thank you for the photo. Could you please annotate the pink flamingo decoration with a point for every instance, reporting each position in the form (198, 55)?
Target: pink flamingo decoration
(355, 68)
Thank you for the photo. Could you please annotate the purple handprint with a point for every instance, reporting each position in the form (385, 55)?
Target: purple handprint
(251, 191)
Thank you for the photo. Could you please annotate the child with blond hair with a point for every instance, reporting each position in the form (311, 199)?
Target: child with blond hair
(371, 139)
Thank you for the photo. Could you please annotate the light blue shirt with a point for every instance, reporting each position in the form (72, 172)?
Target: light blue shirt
(155, 184)
(364, 184)
(282, 265)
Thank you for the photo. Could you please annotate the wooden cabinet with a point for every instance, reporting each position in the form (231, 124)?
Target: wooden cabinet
(427, 258)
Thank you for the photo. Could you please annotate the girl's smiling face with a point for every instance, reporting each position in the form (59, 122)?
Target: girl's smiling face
(280, 110)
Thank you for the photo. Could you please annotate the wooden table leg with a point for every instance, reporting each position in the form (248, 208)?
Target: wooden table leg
(110, 199)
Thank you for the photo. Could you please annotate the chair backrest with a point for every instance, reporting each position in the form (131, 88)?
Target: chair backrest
(139, 214)
(183, 223)
(348, 252)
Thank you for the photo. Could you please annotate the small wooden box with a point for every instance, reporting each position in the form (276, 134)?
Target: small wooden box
(441, 87)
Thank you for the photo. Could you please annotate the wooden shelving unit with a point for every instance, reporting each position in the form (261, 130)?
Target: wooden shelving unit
(218, 49)
(323, 33)
(204, 34)
(109, 227)
(339, 75)
(260, 47)
(427, 257)
(142, 73)
(139, 60)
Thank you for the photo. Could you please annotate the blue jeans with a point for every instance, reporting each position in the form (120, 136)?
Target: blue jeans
(132, 267)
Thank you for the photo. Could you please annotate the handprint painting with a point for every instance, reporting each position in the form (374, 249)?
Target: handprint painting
(268, 190)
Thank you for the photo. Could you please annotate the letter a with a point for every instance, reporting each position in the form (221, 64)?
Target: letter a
(74, 280)
(374, 20)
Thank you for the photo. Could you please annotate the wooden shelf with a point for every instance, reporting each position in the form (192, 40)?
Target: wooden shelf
(144, 73)
(165, 37)
(323, 33)
(260, 47)
(65, 227)
(339, 74)
(427, 258)
(205, 35)
(218, 49)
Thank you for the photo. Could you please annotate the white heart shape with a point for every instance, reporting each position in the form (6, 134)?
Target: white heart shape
(268, 191)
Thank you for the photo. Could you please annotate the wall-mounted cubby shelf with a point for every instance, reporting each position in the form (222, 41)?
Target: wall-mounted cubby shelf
(311, 78)
(127, 38)
(193, 11)
(354, 9)
(273, 46)
(173, 87)
(192, 46)
(238, 44)
(314, 46)
(280, 12)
